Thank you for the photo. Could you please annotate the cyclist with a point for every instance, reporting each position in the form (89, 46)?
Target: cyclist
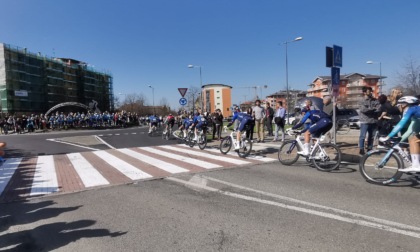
(320, 124)
(169, 122)
(244, 119)
(199, 122)
(153, 122)
(188, 122)
(412, 114)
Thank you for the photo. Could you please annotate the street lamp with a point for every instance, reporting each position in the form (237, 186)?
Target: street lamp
(287, 77)
(153, 95)
(380, 74)
(201, 86)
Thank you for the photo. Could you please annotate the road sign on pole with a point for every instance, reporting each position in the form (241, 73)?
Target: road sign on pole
(335, 80)
(183, 101)
(182, 91)
(338, 56)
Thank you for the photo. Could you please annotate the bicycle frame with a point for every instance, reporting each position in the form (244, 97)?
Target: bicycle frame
(400, 152)
(301, 146)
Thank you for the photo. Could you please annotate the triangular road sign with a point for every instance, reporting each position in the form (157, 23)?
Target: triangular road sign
(182, 91)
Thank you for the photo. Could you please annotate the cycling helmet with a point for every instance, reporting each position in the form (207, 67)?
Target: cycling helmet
(410, 100)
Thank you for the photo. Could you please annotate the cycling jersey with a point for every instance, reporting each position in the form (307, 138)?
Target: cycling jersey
(153, 120)
(243, 118)
(412, 114)
(320, 122)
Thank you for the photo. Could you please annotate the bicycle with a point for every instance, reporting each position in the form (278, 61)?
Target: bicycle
(245, 145)
(324, 156)
(201, 139)
(153, 131)
(381, 166)
(167, 134)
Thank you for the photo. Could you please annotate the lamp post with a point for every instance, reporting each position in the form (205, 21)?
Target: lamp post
(380, 74)
(287, 77)
(153, 97)
(201, 86)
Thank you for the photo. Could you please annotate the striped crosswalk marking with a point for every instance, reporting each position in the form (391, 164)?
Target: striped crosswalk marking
(153, 161)
(45, 178)
(251, 157)
(87, 173)
(124, 167)
(197, 162)
(7, 170)
(207, 155)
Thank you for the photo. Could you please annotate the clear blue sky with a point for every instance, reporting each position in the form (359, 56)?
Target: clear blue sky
(237, 42)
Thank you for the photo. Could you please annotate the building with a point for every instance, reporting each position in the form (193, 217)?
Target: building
(217, 96)
(294, 96)
(350, 88)
(32, 83)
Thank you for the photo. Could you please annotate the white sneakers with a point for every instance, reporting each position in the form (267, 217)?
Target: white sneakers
(305, 151)
(410, 169)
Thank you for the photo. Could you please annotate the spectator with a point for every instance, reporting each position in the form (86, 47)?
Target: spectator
(259, 113)
(269, 116)
(217, 124)
(369, 109)
(279, 121)
(250, 130)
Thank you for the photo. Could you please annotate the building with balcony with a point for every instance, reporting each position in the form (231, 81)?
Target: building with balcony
(294, 97)
(350, 88)
(32, 83)
(217, 96)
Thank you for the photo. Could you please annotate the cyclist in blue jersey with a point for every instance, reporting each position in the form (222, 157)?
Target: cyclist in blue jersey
(412, 115)
(244, 119)
(320, 124)
(199, 122)
(153, 122)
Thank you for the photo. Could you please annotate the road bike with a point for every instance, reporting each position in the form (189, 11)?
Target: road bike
(167, 133)
(324, 156)
(245, 145)
(342, 126)
(381, 166)
(153, 131)
(201, 138)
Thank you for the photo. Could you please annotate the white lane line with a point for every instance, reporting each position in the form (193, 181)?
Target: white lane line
(153, 161)
(7, 170)
(194, 161)
(87, 173)
(124, 167)
(45, 177)
(102, 141)
(306, 210)
(206, 155)
(258, 158)
(81, 146)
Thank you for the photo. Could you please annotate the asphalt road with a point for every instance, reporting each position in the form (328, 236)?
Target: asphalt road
(258, 208)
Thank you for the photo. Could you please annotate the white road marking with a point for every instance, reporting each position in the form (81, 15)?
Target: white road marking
(124, 167)
(87, 173)
(194, 161)
(102, 141)
(45, 177)
(206, 155)
(252, 157)
(350, 217)
(7, 170)
(153, 161)
(77, 145)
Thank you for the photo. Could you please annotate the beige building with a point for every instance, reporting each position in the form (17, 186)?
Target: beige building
(217, 96)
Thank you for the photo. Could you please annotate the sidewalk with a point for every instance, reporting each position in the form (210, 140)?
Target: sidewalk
(348, 145)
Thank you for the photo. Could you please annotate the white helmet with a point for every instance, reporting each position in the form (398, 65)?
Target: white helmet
(410, 100)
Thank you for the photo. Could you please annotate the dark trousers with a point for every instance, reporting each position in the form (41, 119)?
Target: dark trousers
(217, 130)
(269, 125)
(250, 131)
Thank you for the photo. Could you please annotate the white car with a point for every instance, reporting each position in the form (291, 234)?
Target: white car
(354, 122)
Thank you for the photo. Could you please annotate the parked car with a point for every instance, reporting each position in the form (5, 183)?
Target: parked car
(354, 122)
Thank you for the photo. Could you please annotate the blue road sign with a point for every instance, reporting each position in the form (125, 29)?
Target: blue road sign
(338, 56)
(183, 101)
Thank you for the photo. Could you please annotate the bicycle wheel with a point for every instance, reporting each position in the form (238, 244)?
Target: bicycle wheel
(225, 145)
(202, 141)
(326, 157)
(379, 168)
(342, 126)
(288, 152)
(246, 148)
(190, 141)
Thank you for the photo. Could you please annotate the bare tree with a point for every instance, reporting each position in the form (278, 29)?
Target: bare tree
(409, 78)
(193, 98)
(134, 103)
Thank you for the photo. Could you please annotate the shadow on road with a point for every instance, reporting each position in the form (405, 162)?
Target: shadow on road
(45, 237)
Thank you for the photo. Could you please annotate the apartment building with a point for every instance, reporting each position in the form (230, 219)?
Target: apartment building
(32, 83)
(350, 88)
(294, 97)
(217, 96)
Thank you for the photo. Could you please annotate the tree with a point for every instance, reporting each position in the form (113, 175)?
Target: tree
(409, 79)
(193, 98)
(134, 103)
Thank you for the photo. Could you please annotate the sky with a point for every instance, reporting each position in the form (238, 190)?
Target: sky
(236, 42)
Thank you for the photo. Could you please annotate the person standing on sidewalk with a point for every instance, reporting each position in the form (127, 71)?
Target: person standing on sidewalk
(217, 122)
(269, 116)
(369, 109)
(250, 130)
(259, 120)
(279, 121)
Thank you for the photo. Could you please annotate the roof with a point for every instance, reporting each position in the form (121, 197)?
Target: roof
(216, 85)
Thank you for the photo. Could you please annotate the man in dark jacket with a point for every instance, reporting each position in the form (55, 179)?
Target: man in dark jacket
(217, 119)
(269, 116)
(369, 110)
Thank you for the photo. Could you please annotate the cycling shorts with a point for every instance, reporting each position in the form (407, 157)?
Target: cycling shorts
(245, 121)
(321, 127)
(153, 124)
(171, 122)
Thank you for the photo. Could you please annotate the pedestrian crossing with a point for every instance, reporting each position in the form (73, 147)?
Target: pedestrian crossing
(22, 178)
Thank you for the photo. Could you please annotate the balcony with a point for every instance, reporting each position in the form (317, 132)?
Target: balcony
(355, 85)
